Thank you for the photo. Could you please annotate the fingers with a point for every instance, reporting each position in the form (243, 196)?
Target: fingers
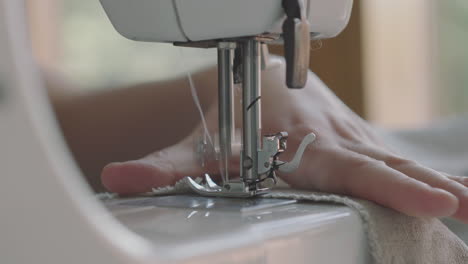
(453, 184)
(156, 170)
(460, 179)
(373, 180)
(136, 176)
(349, 173)
(435, 179)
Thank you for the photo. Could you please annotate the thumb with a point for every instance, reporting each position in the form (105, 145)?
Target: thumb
(158, 169)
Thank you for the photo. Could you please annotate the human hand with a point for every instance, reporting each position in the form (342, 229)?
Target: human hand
(348, 157)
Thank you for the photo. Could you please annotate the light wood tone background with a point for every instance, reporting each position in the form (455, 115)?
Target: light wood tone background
(400, 62)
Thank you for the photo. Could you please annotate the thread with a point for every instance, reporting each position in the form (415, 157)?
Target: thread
(196, 101)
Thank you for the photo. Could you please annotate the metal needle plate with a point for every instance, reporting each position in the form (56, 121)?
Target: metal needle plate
(208, 187)
(206, 203)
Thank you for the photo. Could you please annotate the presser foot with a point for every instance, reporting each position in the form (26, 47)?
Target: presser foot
(273, 145)
(207, 187)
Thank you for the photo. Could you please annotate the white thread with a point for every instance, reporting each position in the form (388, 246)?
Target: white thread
(200, 110)
(196, 100)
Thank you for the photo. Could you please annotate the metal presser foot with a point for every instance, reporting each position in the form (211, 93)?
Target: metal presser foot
(273, 146)
(239, 61)
(207, 187)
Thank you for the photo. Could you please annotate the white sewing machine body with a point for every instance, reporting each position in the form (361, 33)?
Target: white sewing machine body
(196, 20)
(49, 214)
(195, 229)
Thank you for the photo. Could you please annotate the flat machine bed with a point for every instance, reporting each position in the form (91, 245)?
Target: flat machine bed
(194, 229)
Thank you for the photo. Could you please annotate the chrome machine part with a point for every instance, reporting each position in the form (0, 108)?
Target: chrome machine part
(251, 129)
(225, 106)
(258, 158)
(296, 161)
(207, 187)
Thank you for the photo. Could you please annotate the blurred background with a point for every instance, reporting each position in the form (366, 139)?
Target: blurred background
(399, 64)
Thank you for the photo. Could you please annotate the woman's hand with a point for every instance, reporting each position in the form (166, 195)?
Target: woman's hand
(346, 158)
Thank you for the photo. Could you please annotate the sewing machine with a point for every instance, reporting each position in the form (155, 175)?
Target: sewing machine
(49, 215)
(240, 31)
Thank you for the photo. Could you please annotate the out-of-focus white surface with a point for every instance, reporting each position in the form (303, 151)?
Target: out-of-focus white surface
(48, 215)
